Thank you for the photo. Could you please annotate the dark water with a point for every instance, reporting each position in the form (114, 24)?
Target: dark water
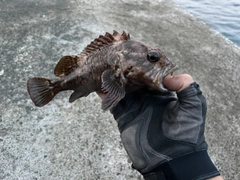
(221, 15)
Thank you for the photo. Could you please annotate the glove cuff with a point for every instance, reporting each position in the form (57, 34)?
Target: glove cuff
(194, 166)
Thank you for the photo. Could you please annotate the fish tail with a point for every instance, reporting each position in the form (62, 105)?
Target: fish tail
(41, 90)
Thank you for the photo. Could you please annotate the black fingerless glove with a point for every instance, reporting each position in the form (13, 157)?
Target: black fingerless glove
(164, 135)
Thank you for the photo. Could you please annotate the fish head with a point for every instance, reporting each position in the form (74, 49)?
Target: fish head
(143, 65)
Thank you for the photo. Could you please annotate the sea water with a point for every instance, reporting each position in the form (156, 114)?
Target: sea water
(221, 15)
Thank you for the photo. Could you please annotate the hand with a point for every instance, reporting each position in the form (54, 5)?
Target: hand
(164, 135)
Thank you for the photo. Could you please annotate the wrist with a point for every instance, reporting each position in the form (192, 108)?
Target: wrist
(196, 166)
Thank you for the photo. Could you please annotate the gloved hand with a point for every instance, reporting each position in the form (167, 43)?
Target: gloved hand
(164, 134)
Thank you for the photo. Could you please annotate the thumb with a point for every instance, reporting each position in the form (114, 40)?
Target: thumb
(177, 83)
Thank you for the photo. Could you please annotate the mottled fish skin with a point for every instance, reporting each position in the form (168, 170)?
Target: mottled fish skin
(111, 63)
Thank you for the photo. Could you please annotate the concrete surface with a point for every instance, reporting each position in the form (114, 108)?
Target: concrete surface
(79, 141)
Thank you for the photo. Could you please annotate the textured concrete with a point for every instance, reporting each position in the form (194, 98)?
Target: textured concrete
(79, 141)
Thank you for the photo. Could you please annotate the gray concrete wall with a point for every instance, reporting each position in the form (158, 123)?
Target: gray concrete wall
(79, 141)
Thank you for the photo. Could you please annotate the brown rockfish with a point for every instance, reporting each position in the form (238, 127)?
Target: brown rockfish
(112, 63)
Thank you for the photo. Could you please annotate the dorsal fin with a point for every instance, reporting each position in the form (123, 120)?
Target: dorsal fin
(66, 65)
(107, 39)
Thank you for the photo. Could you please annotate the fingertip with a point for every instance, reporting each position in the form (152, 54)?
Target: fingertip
(178, 82)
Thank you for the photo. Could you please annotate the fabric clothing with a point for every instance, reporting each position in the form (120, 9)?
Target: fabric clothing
(157, 129)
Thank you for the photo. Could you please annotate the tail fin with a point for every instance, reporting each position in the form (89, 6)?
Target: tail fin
(41, 91)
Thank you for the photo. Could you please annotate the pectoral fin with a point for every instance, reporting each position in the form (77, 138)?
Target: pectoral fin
(114, 87)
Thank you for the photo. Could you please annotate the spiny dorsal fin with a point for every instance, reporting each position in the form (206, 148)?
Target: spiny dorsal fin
(66, 65)
(107, 39)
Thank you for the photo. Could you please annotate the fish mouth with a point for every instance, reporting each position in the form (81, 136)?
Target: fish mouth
(162, 74)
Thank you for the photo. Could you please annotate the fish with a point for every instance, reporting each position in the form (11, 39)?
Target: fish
(112, 63)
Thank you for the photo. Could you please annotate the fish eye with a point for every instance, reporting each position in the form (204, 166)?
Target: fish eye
(153, 56)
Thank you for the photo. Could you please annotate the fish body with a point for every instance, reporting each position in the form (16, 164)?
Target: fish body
(112, 63)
